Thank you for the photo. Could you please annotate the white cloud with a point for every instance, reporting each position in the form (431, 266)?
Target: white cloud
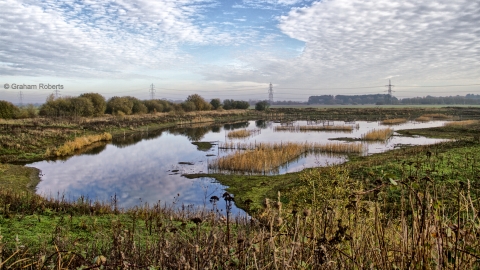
(373, 39)
(354, 43)
(99, 38)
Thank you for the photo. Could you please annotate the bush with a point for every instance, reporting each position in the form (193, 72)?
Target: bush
(8, 110)
(138, 106)
(200, 103)
(28, 111)
(153, 106)
(98, 102)
(81, 106)
(189, 106)
(119, 104)
(56, 107)
(215, 103)
(262, 105)
(230, 104)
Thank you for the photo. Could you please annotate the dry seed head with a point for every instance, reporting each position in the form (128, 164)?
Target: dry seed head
(279, 221)
(278, 205)
(266, 203)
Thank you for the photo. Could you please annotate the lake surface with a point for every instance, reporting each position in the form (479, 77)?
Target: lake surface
(148, 167)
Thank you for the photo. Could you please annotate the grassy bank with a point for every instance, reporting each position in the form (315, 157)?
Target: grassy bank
(17, 177)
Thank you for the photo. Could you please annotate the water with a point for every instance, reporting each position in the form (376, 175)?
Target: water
(149, 167)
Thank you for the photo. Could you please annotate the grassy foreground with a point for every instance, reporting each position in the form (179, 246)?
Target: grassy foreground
(412, 208)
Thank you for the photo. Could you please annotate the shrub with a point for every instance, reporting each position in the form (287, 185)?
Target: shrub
(215, 103)
(57, 107)
(138, 106)
(98, 102)
(81, 106)
(153, 106)
(200, 103)
(262, 105)
(188, 106)
(230, 104)
(7, 110)
(119, 104)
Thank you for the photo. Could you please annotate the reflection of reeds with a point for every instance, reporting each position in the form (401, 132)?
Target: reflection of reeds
(461, 123)
(423, 118)
(239, 133)
(265, 157)
(69, 147)
(313, 128)
(378, 134)
(394, 121)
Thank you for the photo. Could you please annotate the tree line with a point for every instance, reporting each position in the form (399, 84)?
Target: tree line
(381, 99)
(94, 104)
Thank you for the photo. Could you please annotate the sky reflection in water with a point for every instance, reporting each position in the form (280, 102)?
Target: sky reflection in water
(144, 168)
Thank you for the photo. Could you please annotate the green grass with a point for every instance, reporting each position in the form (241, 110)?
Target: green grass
(18, 177)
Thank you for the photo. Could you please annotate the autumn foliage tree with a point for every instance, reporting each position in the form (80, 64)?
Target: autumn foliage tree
(200, 103)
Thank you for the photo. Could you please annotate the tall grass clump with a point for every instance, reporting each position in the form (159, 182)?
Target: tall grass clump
(394, 121)
(243, 133)
(267, 157)
(378, 134)
(313, 128)
(423, 118)
(461, 123)
(438, 116)
(71, 146)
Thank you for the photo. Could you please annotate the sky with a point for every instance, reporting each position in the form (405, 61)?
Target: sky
(235, 49)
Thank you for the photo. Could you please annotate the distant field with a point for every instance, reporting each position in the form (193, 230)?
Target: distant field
(322, 106)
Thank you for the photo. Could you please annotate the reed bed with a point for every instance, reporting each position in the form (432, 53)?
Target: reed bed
(243, 133)
(314, 128)
(439, 116)
(461, 123)
(71, 146)
(394, 121)
(378, 134)
(423, 118)
(267, 157)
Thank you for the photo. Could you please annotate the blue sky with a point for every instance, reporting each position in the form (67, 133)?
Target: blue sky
(234, 49)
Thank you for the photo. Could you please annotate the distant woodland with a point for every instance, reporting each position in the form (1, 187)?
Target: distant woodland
(381, 99)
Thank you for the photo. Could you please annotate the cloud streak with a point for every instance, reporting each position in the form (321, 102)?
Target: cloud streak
(292, 43)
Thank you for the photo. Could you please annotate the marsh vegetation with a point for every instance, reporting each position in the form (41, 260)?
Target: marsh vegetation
(378, 134)
(267, 157)
(416, 207)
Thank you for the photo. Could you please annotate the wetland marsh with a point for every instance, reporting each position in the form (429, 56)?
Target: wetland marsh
(148, 168)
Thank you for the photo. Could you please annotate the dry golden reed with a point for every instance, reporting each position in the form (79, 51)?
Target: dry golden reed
(69, 147)
(437, 116)
(461, 123)
(243, 133)
(313, 128)
(266, 157)
(394, 121)
(378, 134)
(423, 118)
